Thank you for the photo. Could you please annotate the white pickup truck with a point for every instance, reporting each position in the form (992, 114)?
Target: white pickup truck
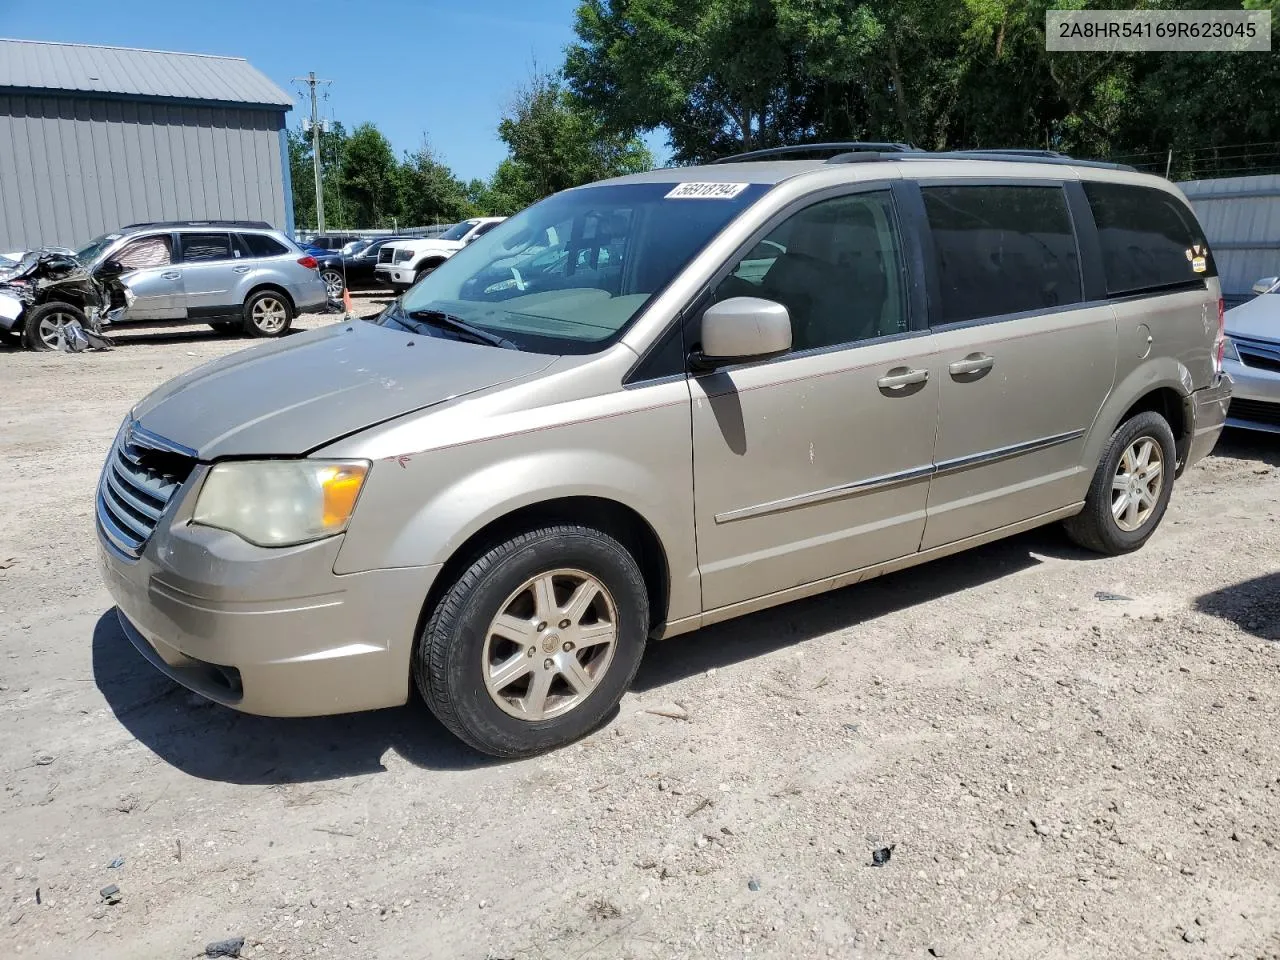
(405, 262)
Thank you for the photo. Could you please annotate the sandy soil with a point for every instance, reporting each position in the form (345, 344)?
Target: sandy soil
(1057, 775)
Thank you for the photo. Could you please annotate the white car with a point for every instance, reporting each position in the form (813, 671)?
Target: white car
(1252, 359)
(404, 263)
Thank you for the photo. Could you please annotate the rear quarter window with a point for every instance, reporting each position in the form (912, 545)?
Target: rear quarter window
(1149, 240)
(260, 245)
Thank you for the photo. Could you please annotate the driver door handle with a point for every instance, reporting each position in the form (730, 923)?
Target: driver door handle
(242, 269)
(974, 363)
(172, 275)
(903, 378)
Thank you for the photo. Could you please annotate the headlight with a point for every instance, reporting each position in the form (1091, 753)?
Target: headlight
(1229, 351)
(279, 503)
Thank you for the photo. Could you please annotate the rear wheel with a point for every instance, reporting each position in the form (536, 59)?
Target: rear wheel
(1130, 490)
(535, 643)
(333, 283)
(267, 314)
(45, 326)
(426, 270)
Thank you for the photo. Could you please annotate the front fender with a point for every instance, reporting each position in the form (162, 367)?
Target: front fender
(1154, 374)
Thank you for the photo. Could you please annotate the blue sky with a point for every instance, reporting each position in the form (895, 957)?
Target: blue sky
(439, 68)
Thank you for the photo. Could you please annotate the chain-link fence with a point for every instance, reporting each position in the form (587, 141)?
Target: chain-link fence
(1203, 163)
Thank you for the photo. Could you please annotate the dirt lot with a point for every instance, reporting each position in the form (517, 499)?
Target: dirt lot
(1058, 775)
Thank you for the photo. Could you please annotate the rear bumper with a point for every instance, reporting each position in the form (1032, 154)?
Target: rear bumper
(310, 295)
(1207, 409)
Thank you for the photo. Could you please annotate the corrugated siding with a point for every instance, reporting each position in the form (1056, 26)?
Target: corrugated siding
(1241, 220)
(72, 168)
(121, 70)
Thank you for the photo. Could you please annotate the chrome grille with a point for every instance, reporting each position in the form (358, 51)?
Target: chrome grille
(385, 254)
(141, 476)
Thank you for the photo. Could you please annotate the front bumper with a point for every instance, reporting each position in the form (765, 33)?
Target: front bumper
(270, 632)
(1255, 403)
(1207, 412)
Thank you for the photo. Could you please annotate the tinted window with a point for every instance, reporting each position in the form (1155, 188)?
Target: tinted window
(1002, 250)
(260, 245)
(1148, 238)
(458, 230)
(154, 251)
(485, 228)
(835, 266)
(203, 247)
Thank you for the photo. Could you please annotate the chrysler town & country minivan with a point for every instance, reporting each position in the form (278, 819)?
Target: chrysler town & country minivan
(655, 403)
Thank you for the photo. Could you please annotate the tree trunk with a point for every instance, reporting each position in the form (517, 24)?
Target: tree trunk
(900, 94)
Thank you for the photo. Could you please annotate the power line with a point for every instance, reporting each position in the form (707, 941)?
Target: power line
(316, 125)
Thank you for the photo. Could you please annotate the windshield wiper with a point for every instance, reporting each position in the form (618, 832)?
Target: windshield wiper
(449, 322)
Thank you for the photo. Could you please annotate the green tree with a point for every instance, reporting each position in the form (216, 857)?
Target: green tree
(555, 143)
(430, 193)
(302, 174)
(369, 179)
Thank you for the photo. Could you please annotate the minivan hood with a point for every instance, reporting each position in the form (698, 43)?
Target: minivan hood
(291, 396)
(1257, 319)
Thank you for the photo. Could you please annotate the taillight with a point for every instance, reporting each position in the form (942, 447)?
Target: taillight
(311, 263)
(1220, 344)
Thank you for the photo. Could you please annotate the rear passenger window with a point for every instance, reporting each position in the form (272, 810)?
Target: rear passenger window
(260, 245)
(1002, 250)
(1149, 240)
(203, 247)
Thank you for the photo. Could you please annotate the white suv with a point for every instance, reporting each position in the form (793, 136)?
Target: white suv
(404, 263)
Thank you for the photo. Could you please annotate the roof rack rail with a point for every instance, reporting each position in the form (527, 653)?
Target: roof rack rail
(810, 148)
(1018, 156)
(253, 224)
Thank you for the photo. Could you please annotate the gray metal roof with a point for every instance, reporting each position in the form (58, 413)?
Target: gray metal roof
(122, 71)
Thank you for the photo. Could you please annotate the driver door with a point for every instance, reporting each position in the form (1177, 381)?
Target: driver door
(153, 278)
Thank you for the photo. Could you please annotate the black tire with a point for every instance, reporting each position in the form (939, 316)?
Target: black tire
(1096, 527)
(227, 327)
(427, 270)
(36, 316)
(450, 654)
(257, 304)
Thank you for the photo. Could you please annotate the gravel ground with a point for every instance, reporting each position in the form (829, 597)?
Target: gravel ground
(1056, 774)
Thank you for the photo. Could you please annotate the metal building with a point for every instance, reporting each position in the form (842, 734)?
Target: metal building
(92, 138)
(1241, 220)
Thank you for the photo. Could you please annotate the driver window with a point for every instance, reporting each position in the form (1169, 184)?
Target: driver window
(837, 268)
(148, 252)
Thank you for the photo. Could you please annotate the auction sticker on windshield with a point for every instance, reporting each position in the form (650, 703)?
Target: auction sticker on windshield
(707, 191)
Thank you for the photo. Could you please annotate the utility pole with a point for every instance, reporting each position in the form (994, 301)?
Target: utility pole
(316, 126)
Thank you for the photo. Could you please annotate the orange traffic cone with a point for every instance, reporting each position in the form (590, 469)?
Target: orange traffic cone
(346, 301)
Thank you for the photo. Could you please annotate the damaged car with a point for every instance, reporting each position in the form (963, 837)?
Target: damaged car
(49, 300)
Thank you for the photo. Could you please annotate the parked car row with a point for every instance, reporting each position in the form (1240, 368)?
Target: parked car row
(403, 263)
(1252, 359)
(235, 275)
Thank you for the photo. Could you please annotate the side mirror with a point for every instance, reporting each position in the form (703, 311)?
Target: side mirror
(742, 329)
(1265, 285)
(109, 270)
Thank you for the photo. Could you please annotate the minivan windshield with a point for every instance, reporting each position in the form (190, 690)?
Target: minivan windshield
(569, 274)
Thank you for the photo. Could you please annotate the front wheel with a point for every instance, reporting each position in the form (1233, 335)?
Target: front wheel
(535, 643)
(45, 326)
(267, 314)
(1130, 490)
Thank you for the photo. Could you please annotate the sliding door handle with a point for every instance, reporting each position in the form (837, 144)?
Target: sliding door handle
(901, 377)
(974, 363)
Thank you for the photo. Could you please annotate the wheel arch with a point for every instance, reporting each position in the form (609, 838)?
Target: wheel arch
(258, 288)
(624, 523)
(1163, 386)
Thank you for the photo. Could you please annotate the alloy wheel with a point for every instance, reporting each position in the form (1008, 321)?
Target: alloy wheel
(53, 329)
(550, 644)
(332, 284)
(270, 315)
(1136, 486)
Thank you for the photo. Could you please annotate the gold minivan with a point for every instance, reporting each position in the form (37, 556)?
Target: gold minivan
(654, 403)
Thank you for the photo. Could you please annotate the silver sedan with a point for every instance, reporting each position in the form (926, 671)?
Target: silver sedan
(1252, 359)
